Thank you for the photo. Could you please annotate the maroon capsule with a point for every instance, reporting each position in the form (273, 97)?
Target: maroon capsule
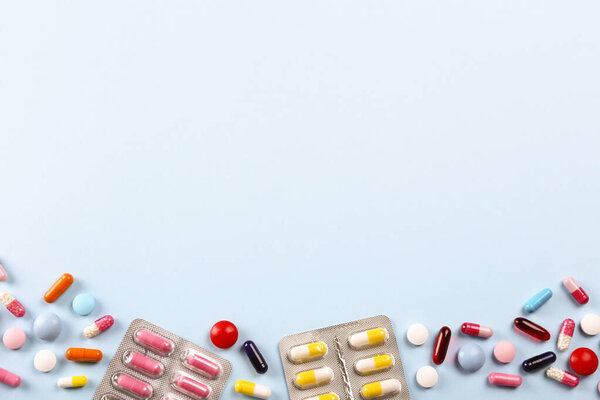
(441, 345)
(531, 329)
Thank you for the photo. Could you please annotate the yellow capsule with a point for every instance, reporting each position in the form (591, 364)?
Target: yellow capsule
(374, 364)
(252, 389)
(72, 382)
(370, 338)
(380, 389)
(307, 352)
(314, 377)
(325, 396)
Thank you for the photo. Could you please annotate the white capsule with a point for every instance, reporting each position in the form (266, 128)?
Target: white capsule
(314, 377)
(369, 338)
(72, 381)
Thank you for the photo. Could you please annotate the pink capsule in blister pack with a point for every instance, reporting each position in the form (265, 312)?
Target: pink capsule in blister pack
(152, 363)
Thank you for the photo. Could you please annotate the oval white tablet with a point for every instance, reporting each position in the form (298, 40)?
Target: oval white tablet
(44, 361)
(427, 377)
(590, 324)
(417, 334)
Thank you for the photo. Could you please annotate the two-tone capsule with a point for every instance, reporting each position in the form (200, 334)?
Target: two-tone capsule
(201, 364)
(256, 358)
(58, 288)
(143, 364)
(369, 338)
(12, 304)
(499, 379)
(252, 389)
(325, 396)
(313, 378)
(576, 291)
(83, 355)
(469, 328)
(538, 300)
(379, 389)
(72, 382)
(98, 326)
(567, 329)
(540, 361)
(9, 378)
(442, 342)
(371, 365)
(307, 352)
(531, 329)
(563, 377)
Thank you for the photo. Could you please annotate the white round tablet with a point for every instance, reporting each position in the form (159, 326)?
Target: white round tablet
(417, 334)
(427, 377)
(44, 361)
(590, 324)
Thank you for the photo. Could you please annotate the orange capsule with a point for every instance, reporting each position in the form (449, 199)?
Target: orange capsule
(58, 288)
(83, 355)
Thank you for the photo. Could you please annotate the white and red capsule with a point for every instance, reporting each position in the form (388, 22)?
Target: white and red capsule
(563, 377)
(576, 291)
(12, 304)
(98, 326)
(567, 329)
(469, 328)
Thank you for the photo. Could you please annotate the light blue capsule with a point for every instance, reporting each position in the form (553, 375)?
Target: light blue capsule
(538, 300)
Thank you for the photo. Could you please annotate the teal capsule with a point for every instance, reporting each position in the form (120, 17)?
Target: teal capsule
(538, 300)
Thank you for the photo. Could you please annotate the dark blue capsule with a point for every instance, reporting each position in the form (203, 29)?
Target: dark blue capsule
(257, 360)
(539, 361)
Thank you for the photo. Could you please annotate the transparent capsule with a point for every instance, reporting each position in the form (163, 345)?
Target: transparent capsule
(372, 365)
(368, 338)
(201, 364)
(98, 326)
(143, 364)
(562, 376)
(380, 389)
(313, 378)
(307, 352)
(132, 386)
(567, 329)
(12, 304)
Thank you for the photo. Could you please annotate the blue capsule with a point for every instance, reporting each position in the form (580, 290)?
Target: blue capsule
(538, 300)
(539, 361)
(257, 360)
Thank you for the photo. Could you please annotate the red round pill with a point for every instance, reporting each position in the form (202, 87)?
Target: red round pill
(224, 334)
(583, 361)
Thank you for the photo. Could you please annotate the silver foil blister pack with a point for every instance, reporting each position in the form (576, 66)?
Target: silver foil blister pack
(351, 361)
(152, 363)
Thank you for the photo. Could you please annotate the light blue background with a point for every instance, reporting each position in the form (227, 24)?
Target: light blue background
(290, 166)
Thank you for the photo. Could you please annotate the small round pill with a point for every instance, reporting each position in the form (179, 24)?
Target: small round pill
(417, 334)
(14, 338)
(47, 326)
(224, 334)
(427, 377)
(505, 352)
(84, 303)
(44, 361)
(590, 324)
(471, 357)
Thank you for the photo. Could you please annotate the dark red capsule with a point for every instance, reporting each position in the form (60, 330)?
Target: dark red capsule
(441, 345)
(531, 329)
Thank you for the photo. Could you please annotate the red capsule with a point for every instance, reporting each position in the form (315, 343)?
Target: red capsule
(531, 329)
(476, 330)
(441, 345)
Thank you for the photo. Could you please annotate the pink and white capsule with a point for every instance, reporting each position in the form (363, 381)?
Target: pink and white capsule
(576, 291)
(565, 335)
(99, 326)
(562, 376)
(12, 304)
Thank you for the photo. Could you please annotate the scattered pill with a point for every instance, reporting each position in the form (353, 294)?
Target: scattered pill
(369, 338)
(58, 288)
(567, 329)
(224, 334)
(72, 382)
(9, 378)
(583, 361)
(143, 364)
(132, 386)
(379, 389)
(84, 303)
(538, 300)
(200, 364)
(531, 329)
(47, 326)
(371, 365)
(427, 377)
(576, 291)
(190, 387)
(441, 345)
(12, 304)
(540, 361)
(325, 396)
(153, 342)
(44, 361)
(98, 326)
(471, 357)
(256, 358)
(307, 352)
(505, 352)
(3, 274)
(499, 379)
(83, 355)
(14, 338)
(590, 324)
(314, 377)
(417, 334)
(469, 328)
(562, 376)
(252, 389)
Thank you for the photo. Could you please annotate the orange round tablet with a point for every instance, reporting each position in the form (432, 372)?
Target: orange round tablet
(58, 288)
(83, 355)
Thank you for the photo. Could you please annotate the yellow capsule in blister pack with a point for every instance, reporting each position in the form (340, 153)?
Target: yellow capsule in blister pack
(369, 338)
(314, 377)
(378, 389)
(307, 352)
(371, 365)
(325, 396)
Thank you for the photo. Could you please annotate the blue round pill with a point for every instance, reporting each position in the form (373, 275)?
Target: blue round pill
(47, 326)
(84, 303)
(471, 357)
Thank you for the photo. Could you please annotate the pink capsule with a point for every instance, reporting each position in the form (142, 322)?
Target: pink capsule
(9, 378)
(499, 379)
(153, 342)
(566, 334)
(200, 364)
(3, 274)
(143, 364)
(190, 386)
(576, 291)
(132, 386)
(12, 304)
(99, 326)
(563, 377)
(476, 330)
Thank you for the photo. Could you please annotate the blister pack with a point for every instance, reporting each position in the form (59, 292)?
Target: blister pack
(351, 361)
(151, 362)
